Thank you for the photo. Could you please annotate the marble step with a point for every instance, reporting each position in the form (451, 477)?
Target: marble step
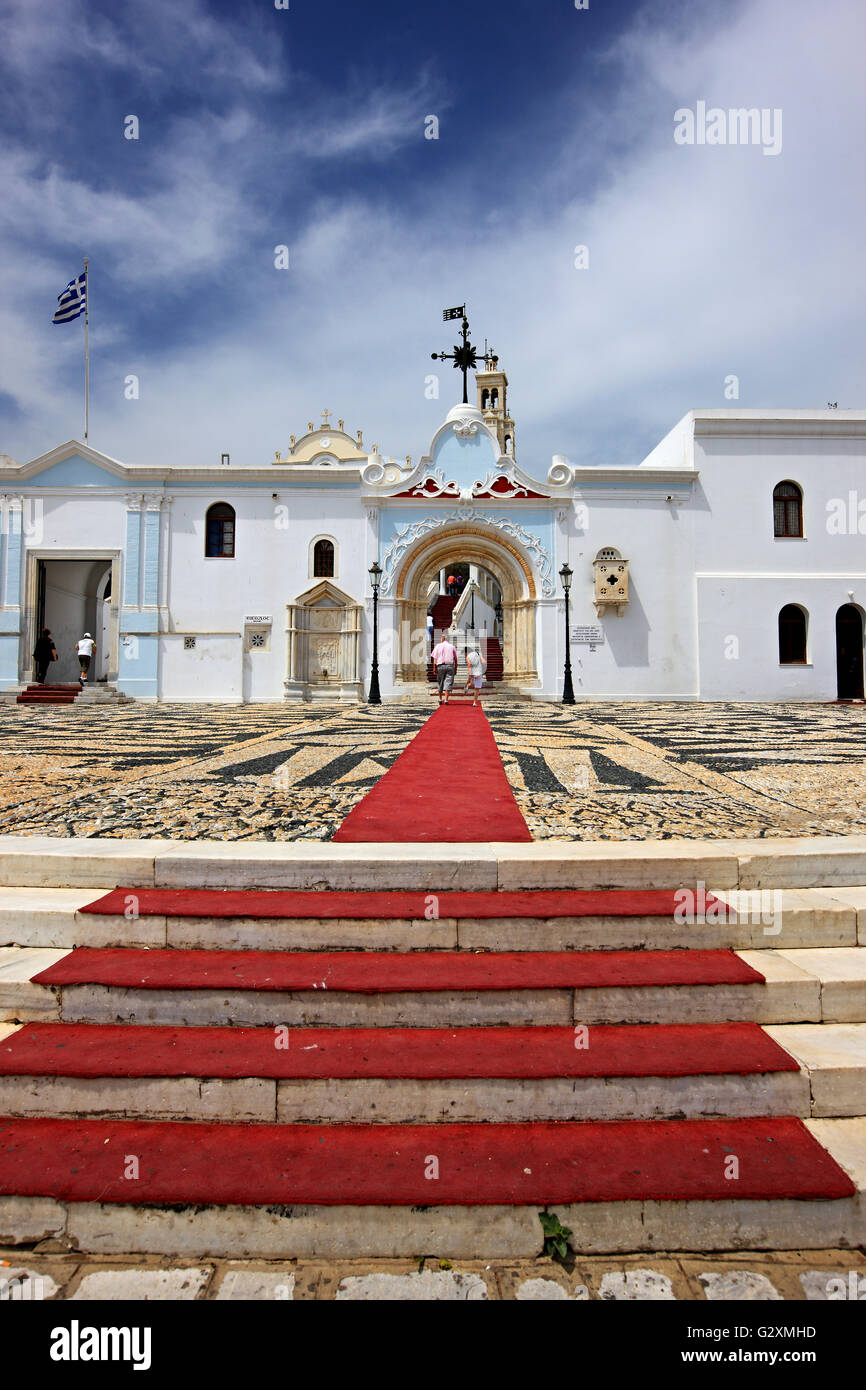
(194, 1224)
(809, 918)
(398, 1076)
(827, 862)
(827, 986)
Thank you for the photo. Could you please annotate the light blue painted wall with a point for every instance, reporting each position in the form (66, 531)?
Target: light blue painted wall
(12, 590)
(9, 660)
(131, 559)
(138, 665)
(465, 461)
(74, 472)
(151, 558)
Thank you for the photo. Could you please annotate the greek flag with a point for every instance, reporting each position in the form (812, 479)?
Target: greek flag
(73, 301)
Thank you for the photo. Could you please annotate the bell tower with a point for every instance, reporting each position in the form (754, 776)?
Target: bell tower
(492, 385)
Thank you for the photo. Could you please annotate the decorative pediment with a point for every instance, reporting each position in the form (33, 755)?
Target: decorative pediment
(73, 464)
(324, 595)
(505, 480)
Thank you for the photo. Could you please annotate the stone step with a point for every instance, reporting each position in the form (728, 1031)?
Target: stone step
(810, 918)
(255, 988)
(53, 862)
(643, 1186)
(399, 1076)
(834, 1057)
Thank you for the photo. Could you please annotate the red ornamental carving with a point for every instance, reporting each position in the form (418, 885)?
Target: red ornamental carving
(503, 486)
(500, 487)
(431, 488)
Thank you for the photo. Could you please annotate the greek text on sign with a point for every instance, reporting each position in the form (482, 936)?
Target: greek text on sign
(257, 619)
(587, 634)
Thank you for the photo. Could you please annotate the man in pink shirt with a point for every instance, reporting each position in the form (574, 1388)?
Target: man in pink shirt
(444, 658)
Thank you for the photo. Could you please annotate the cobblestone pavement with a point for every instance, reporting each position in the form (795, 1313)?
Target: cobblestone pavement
(592, 772)
(814, 1275)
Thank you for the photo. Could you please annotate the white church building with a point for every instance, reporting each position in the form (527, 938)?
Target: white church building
(730, 564)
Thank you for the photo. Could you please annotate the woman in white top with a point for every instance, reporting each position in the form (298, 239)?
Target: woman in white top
(477, 666)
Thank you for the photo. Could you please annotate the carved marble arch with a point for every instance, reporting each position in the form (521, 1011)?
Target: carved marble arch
(514, 572)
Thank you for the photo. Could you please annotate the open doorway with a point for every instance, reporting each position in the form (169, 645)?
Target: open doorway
(849, 653)
(73, 596)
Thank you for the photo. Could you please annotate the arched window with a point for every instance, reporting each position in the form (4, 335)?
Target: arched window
(792, 636)
(323, 560)
(220, 531)
(787, 509)
(485, 397)
(494, 398)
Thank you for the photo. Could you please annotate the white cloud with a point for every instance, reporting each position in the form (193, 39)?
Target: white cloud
(703, 262)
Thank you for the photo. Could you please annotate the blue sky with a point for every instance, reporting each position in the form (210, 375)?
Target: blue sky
(262, 127)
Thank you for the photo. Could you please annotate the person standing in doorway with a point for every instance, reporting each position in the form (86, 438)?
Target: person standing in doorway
(43, 654)
(444, 658)
(475, 675)
(85, 649)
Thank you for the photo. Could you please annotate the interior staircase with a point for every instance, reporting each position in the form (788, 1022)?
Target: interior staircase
(441, 613)
(396, 1050)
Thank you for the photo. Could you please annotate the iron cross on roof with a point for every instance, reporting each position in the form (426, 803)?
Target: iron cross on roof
(464, 356)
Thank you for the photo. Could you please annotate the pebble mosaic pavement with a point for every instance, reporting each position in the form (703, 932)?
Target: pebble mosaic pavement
(54, 1274)
(592, 772)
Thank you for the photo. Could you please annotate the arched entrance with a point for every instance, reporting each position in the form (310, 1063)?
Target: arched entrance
(849, 653)
(470, 545)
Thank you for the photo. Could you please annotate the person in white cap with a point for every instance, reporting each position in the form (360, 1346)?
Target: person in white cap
(85, 649)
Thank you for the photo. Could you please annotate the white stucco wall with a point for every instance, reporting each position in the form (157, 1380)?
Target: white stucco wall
(648, 651)
(745, 574)
(705, 568)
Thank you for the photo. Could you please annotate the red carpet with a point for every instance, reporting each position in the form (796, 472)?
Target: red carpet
(189, 1162)
(708, 1049)
(390, 906)
(448, 786)
(384, 971)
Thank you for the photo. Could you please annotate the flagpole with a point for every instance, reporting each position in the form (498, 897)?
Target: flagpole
(86, 349)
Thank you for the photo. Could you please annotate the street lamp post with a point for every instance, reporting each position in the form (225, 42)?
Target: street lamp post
(374, 698)
(567, 688)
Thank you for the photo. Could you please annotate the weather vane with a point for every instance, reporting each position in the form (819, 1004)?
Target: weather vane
(464, 356)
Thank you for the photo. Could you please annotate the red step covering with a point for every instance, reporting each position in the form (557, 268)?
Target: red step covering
(381, 972)
(535, 1164)
(364, 906)
(45, 700)
(695, 1049)
(448, 786)
(442, 611)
